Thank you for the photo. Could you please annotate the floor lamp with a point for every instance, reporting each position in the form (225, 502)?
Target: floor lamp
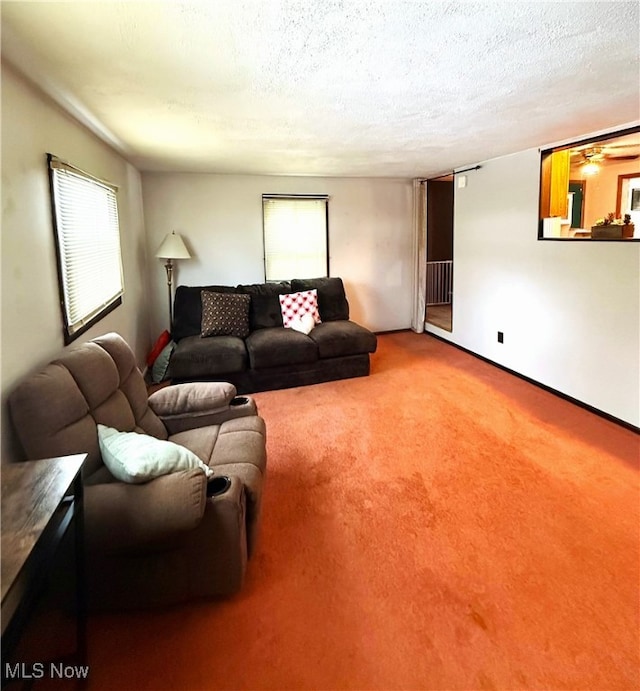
(172, 247)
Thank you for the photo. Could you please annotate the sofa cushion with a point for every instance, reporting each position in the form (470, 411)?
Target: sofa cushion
(295, 305)
(340, 338)
(131, 519)
(187, 309)
(136, 458)
(225, 314)
(264, 309)
(207, 358)
(240, 440)
(279, 346)
(332, 301)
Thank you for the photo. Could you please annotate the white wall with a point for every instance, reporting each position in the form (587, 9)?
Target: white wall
(570, 311)
(220, 217)
(31, 318)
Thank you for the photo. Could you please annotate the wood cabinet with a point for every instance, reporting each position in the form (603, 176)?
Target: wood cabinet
(554, 185)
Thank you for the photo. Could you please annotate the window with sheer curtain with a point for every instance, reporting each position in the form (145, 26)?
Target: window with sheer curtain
(295, 237)
(87, 234)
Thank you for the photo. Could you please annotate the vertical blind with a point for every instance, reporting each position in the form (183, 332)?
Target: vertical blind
(295, 237)
(88, 241)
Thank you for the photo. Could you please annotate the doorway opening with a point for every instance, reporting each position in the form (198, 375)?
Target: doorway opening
(439, 302)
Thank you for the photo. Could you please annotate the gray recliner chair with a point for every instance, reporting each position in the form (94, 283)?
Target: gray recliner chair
(165, 540)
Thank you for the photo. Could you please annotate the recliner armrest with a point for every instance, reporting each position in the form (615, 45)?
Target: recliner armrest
(197, 404)
(121, 517)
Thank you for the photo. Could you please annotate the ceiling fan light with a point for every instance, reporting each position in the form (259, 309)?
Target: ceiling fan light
(590, 168)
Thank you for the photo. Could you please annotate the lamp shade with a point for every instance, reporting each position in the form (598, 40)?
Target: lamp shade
(173, 247)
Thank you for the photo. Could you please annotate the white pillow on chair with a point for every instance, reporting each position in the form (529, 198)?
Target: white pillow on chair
(136, 458)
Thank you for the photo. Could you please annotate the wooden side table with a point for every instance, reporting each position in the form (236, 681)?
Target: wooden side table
(41, 500)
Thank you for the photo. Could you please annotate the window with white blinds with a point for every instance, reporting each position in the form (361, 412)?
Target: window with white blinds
(295, 237)
(85, 219)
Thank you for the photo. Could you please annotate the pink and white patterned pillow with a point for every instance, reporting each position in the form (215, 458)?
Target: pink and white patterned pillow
(294, 305)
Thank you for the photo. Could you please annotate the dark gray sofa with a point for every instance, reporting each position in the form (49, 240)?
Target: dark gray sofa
(271, 356)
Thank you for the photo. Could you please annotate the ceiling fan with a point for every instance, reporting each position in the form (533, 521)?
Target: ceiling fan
(598, 154)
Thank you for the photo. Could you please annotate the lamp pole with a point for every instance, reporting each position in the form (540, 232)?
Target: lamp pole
(169, 269)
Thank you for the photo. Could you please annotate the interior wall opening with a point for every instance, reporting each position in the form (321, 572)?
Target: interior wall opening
(439, 301)
(589, 190)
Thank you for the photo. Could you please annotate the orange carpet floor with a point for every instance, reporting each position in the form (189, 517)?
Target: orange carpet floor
(440, 524)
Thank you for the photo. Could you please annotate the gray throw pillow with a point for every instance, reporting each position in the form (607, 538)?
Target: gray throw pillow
(225, 314)
(161, 364)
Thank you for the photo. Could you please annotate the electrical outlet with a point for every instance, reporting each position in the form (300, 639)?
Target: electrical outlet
(500, 337)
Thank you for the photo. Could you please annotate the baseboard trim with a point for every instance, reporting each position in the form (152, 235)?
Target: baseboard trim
(555, 392)
(392, 331)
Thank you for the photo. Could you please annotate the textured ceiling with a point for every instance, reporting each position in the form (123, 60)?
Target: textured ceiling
(356, 88)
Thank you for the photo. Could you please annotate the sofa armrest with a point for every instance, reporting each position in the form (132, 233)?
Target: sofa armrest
(197, 404)
(121, 517)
